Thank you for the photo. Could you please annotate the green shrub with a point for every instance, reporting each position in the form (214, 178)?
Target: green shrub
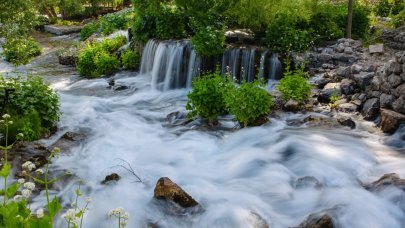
(144, 28)
(21, 50)
(170, 24)
(130, 59)
(386, 8)
(88, 30)
(29, 125)
(32, 95)
(361, 20)
(323, 24)
(249, 102)
(96, 59)
(288, 34)
(208, 41)
(115, 21)
(294, 86)
(207, 97)
(399, 19)
(106, 64)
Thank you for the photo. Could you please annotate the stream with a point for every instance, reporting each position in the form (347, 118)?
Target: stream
(231, 173)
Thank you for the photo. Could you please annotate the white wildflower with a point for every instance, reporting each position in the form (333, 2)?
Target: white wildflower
(71, 217)
(10, 122)
(6, 116)
(29, 185)
(88, 200)
(125, 216)
(21, 135)
(26, 193)
(21, 181)
(73, 204)
(39, 171)
(123, 224)
(28, 166)
(17, 197)
(1, 121)
(40, 213)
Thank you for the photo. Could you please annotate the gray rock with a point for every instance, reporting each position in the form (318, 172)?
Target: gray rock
(348, 50)
(386, 100)
(385, 87)
(355, 69)
(322, 82)
(62, 30)
(343, 72)
(376, 48)
(327, 92)
(373, 93)
(390, 120)
(375, 83)
(363, 79)
(394, 80)
(400, 90)
(362, 97)
(317, 221)
(340, 48)
(346, 121)
(371, 108)
(347, 86)
(347, 108)
(345, 58)
(323, 57)
(257, 221)
(389, 179)
(292, 106)
(307, 182)
(399, 105)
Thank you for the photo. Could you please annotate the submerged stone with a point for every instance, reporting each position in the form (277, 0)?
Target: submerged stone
(169, 191)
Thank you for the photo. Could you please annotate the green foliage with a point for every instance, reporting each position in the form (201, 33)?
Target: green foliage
(386, 8)
(29, 125)
(71, 8)
(287, 34)
(96, 59)
(207, 97)
(294, 86)
(115, 21)
(105, 63)
(17, 17)
(323, 23)
(361, 20)
(144, 27)
(130, 59)
(248, 102)
(32, 95)
(88, 30)
(170, 24)
(399, 20)
(208, 41)
(21, 50)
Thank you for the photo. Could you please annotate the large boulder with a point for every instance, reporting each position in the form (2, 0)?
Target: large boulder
(386, 100)
(363, 79)
(292, 106)
(390, 120)
(377, 48)
(347, 86)
(371, 108)
(394, 80)
(169, 191)
(347, 107)
(399, 105)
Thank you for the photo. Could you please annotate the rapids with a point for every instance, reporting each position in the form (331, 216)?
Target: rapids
(231, 173)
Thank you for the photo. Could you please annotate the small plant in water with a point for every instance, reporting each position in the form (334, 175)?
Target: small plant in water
(333, 100)
(121, 215)
(74, 216)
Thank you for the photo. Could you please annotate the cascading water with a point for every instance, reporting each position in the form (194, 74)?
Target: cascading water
(172, 64)
(232, 174)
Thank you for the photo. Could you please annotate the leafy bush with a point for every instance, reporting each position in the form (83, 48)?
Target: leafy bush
(32, 95)
(208, 41)
(29, 125)
(130, 59)
(399, 19)
(106, 64)
(207, 97)
(294, 86)
(21, 50)
(323, 24)
(88, 30)
(248, 102)
(115, 21)
(96, 59)
(170, 24)
(285, 34)
(386, 8)
(144, 28)
(361, 20)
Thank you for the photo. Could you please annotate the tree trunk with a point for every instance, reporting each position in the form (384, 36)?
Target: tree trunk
(349, 19)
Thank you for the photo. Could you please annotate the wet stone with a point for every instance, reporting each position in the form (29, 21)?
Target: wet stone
(307, 182)
(111, 178)
(169, 191)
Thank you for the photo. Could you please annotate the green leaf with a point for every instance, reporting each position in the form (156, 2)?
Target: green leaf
(54, 207)
(12, 189)
(5, 171)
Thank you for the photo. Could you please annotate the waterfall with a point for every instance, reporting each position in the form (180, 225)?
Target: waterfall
(263, 59)
(173, 64)
(275, 67)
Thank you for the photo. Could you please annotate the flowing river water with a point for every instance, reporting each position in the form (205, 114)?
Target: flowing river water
(233, 174)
